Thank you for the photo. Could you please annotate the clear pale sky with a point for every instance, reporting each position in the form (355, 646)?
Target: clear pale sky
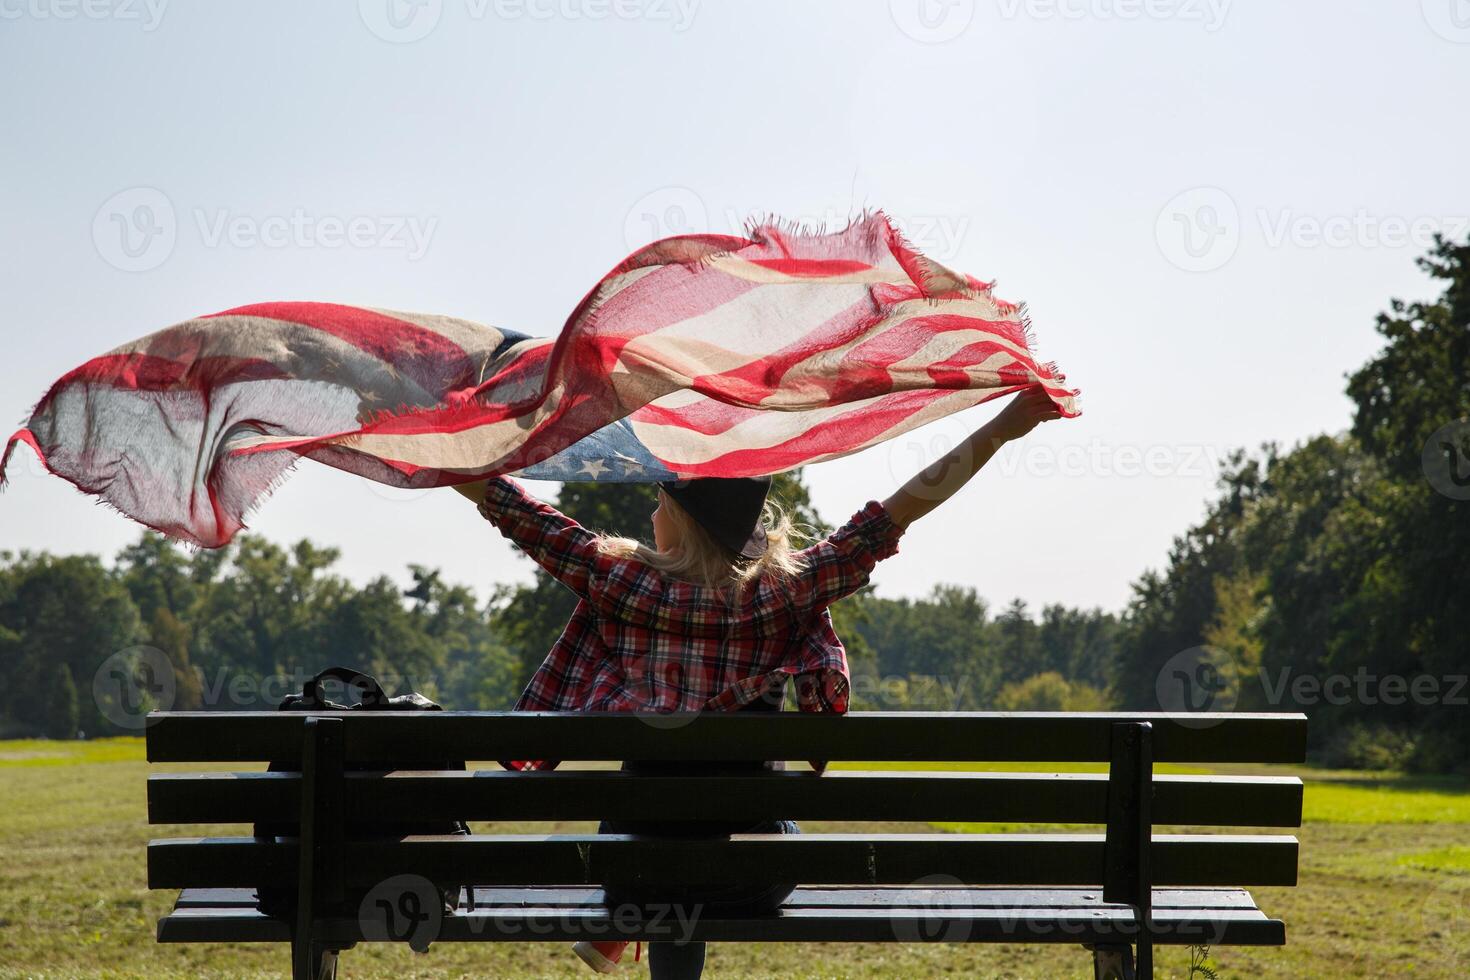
(1203, 202)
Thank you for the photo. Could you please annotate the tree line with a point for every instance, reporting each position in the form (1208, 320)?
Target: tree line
(1325, 578)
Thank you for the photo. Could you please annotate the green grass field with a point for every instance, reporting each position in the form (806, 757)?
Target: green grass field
(1385, 891)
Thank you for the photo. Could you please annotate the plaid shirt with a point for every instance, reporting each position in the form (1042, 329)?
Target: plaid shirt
(640, 642)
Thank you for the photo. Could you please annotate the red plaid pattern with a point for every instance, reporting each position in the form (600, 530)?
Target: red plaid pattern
(640, 642)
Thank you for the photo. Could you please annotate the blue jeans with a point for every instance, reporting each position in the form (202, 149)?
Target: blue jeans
(682, 959)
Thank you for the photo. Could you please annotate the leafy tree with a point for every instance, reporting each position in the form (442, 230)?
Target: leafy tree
(1240, 609)
(268, 615)
(67, 610)
(1050, 691)
(1017, 643)
(1341, 559)
(372, 629)
(1420, 381)
(1078, 644)
(1413, 407)
(941, 635)
(1041, 692)
(61, 714)
(171, 637)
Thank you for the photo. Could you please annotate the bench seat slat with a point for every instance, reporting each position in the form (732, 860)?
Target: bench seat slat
(806, 897)
(878, 922)
(1075, 798)
(965, 897)
(400, 737)
(892, 859)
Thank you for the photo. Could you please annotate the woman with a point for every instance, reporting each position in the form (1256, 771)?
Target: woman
(717, 615)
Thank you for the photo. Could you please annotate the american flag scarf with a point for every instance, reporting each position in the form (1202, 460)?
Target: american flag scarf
(699, 355)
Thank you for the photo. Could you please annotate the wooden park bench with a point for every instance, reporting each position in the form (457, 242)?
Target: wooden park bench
(1112, 892)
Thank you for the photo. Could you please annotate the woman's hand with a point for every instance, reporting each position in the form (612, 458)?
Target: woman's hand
(1027, 410)
(474, 491)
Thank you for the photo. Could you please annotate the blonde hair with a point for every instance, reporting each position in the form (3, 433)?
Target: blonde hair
(704, 561)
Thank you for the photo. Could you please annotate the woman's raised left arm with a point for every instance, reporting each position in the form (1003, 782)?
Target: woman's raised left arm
(564, 548)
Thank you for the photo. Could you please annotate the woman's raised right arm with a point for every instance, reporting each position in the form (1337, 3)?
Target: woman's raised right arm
(841, 563)
(939, 481)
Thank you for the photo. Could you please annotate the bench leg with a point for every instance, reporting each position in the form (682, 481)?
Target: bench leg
(319, 963)
(1112, 963)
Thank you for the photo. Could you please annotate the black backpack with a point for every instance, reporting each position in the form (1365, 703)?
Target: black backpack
(281, 902)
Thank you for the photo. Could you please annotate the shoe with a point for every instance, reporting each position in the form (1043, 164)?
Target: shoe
(602, 956)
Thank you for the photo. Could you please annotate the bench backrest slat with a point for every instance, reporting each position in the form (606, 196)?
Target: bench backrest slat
(1003, 797)
(393, 737)
(896, 859)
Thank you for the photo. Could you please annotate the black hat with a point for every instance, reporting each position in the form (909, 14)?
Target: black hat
(728, 508)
